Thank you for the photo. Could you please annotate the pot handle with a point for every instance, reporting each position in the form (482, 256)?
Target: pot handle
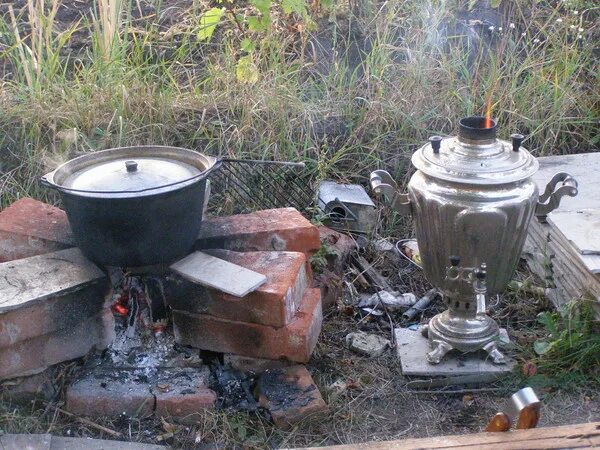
(550, 199)
(44, 181)
(384, 185)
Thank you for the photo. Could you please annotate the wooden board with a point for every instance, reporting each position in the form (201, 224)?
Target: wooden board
(217, 273)
(40, 277)
(586, 435)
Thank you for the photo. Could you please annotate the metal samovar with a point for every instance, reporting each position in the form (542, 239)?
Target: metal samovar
(472, 199)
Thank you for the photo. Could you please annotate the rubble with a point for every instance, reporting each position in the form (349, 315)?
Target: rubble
(390, 301)
(370, 345)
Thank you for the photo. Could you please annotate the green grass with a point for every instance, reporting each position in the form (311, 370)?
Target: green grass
(141, 81)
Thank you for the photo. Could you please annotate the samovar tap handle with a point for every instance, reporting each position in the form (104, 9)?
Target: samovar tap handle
(384, 185)
(550, 199)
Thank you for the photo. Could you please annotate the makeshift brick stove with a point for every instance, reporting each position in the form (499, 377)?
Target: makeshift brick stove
(157, 328)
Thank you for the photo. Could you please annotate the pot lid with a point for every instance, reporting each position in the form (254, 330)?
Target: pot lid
(131, 170)
(475, 157)
(124, 174)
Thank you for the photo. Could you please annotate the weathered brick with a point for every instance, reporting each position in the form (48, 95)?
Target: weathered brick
(294, 342)
(329, 279)
(45, 293)
(40, 386)
(29, 227)
(182, 393)
(110, 395)
(290, 395)
(254, 365)
(274, 303)
(36, 354)
(269, 229)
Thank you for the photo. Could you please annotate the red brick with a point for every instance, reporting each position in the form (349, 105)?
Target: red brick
(29, 227)
(110, 395)
(35, 355)
(274, 303)
(294, 342)
(269, 229)
(182, 393)
(40, 386)
(45, 293)
(254, 365)
(290, 395)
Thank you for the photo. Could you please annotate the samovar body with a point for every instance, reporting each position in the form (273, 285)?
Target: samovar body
(472, 199)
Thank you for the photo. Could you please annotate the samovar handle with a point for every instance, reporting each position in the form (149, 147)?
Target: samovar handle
(384, 185)
(550, 199)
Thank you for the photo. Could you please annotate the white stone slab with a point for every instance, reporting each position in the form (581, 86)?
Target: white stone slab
(412, 347)
(40, 277)
(581, 228)
(217, 273)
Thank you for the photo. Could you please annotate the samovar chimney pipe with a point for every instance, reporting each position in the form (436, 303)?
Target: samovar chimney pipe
(473, 130)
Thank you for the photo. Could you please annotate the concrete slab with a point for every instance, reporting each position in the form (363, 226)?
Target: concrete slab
(217, 273)
(25, 441)
(65, 443)
(411, 348)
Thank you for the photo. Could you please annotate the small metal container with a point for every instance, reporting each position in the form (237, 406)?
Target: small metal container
(472, 199)
(347, 207)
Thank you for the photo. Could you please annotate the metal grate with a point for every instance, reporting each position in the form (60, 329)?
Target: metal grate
(242, 186)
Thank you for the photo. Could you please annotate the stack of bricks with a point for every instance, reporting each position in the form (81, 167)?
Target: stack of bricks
(282, 319)
(52, 299)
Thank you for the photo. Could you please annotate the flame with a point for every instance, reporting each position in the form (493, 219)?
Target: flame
(120, 309)
(487, 123)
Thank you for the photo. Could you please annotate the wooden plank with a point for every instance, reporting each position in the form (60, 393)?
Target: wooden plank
(585, 435)
(39, 277)
(580, 228)
(217, 273)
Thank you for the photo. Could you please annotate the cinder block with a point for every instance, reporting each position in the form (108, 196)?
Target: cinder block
(282, 229)
(36, 354)
(29, 227)
(294, 342)
(274, 303)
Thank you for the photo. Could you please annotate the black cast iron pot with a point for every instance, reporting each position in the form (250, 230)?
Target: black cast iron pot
(134, 206)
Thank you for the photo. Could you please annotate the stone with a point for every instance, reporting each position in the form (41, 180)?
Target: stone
(111, 394)
(370, 345)
(294, 342)
(275, 303)
(411, 347)
(282, 229)
(182, 394)
(40, 386)
(34, 355)
(290, 395)
(254, 365)
(212, 272)
(29, 227)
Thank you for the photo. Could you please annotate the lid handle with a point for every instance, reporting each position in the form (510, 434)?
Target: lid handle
(131, 166)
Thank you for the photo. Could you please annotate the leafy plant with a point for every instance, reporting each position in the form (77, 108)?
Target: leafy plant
(573, 341)
(318, 261)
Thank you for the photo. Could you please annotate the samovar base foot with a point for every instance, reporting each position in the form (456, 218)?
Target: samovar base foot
(497, 356)
(437, 354)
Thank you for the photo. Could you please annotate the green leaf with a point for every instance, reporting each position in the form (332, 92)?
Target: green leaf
(208, 22)
(247, 45)
(262, 5)
(495, 3)
(541, 347)
(290, 6)
(246, 71)
(259, 23)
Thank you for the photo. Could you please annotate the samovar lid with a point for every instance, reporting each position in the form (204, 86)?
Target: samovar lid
(475, 156)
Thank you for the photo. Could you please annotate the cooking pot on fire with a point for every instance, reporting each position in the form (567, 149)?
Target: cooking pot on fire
(134, 206)
(472, 198)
